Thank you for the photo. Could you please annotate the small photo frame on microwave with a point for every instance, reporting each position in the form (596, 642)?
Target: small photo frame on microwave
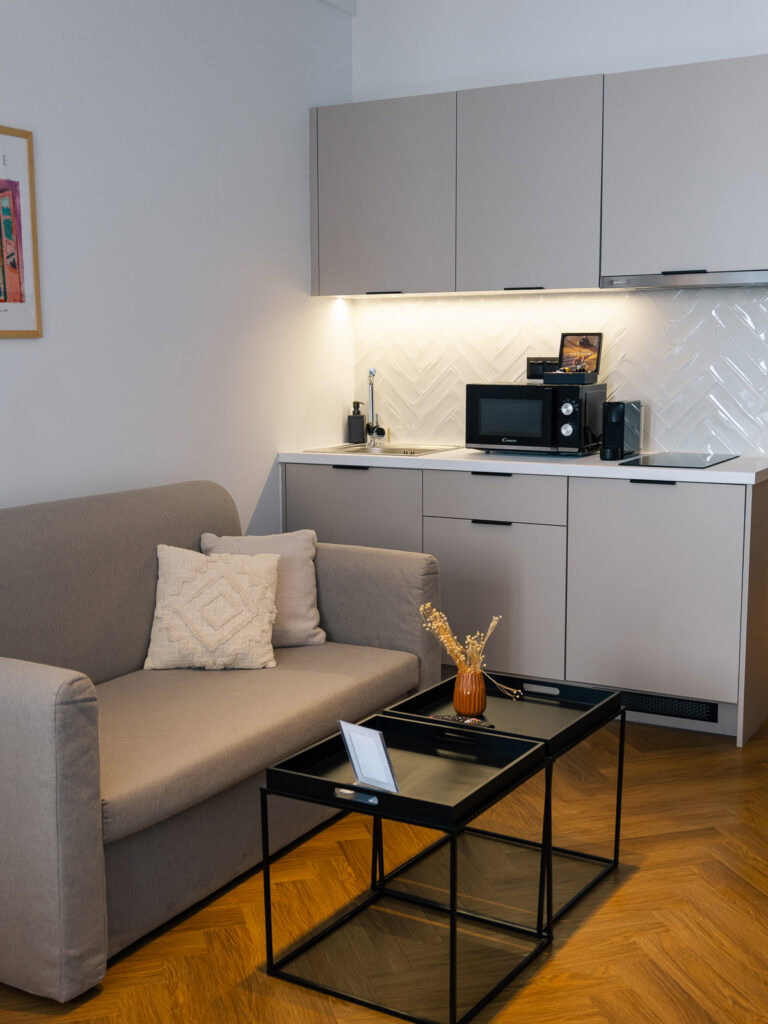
(580, 353)
(367, 751)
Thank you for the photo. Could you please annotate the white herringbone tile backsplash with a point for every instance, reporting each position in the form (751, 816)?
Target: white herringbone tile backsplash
(697, 359)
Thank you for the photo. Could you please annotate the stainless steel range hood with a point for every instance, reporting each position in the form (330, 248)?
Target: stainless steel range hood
(687, 279)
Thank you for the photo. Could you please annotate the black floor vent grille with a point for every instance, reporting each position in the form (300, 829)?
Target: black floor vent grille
(670, 707)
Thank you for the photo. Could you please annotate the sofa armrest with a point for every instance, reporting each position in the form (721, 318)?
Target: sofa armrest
(53, 937)
(371, 597)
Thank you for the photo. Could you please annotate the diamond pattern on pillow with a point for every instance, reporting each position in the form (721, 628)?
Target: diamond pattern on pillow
(213, 611)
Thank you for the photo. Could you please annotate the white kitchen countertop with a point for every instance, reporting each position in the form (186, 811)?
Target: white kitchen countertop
(741, 470)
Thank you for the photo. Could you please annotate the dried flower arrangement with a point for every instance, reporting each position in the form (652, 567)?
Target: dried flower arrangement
(469, 656)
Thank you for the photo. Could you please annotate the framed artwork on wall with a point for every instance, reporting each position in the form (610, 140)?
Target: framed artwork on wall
(19, 271)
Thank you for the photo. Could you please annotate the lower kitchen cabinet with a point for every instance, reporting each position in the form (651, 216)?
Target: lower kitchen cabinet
(374, 507)
(516, 570)
(655, 586)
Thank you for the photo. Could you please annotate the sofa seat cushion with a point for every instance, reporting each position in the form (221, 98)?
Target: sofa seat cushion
(169, 739)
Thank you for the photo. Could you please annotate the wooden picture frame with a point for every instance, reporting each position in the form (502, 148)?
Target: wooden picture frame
(20, 308)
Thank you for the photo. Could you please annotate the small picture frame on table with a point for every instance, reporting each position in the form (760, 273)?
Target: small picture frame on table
(367, 751)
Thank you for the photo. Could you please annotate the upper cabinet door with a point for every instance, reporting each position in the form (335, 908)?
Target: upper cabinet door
(684, 169)
(528, 190)
(386, 174)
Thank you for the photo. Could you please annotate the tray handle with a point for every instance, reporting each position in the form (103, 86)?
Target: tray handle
(455, 735)
(549, 691)
(355, 795)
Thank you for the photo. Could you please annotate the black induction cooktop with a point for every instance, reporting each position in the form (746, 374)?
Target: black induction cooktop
(679, 460)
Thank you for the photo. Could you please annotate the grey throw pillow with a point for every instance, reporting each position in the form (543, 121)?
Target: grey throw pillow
(298, 620)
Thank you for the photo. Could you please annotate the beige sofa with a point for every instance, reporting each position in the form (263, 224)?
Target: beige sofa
(128, 795)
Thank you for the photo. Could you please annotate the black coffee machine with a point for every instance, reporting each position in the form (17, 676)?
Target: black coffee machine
(622, 430)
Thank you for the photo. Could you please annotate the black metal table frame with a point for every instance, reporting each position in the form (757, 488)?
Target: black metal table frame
(609, 863)
(544, 927)
(543, 930)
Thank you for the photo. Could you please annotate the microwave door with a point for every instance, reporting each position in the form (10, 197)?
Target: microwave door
(513, 417)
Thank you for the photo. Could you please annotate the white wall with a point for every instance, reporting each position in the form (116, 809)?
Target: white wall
(403, 47)
(171, 150)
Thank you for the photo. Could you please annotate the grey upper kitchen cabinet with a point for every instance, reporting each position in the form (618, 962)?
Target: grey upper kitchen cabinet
(386, 196)
(528, 185)
(355, 505)
(684, 169)
(655, 587)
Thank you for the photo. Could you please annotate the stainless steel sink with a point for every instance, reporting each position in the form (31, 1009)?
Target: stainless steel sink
(385, 449)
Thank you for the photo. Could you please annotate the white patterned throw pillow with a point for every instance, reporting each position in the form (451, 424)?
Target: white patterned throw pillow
(213, 611)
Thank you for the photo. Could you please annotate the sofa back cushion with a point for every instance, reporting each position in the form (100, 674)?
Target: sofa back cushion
(78, 579)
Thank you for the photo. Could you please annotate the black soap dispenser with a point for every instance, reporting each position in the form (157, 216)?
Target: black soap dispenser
(356, 425)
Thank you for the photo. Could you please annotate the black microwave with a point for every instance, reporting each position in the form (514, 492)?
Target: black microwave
(563, 418)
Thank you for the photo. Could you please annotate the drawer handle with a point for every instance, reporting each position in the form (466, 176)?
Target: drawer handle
(357, 797)
(491, 522)
(672, 273)
(358, 468)
(479, 472)
(524, 288)
(663, 483)
(386, 291)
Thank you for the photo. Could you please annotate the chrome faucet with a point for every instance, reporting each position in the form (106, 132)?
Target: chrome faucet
(374, 432)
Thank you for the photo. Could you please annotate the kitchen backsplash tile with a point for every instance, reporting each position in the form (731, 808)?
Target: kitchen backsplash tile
(697, 359)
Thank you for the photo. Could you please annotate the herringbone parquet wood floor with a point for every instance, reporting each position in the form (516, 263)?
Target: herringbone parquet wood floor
(679, 935)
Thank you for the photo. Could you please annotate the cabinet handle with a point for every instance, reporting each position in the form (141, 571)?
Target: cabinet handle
(671, 273)
(358, 469)
(662, 483)
(386, 291)
(479, 472)
(491, 522)
(524, 288)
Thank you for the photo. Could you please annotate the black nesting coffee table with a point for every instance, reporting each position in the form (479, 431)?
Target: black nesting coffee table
(560, 715)
(429, 960)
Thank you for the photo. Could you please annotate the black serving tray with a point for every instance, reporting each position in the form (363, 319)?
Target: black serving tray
(445, 775)
(558, 714)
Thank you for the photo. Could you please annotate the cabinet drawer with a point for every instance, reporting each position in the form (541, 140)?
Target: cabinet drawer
(501, 496)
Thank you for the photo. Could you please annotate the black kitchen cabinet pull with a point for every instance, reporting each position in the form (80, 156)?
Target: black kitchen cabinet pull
(667, 483)
(358, 468)
(479, 472)
(491, 522)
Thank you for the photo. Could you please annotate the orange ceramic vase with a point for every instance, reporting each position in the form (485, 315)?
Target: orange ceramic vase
(469, 693)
